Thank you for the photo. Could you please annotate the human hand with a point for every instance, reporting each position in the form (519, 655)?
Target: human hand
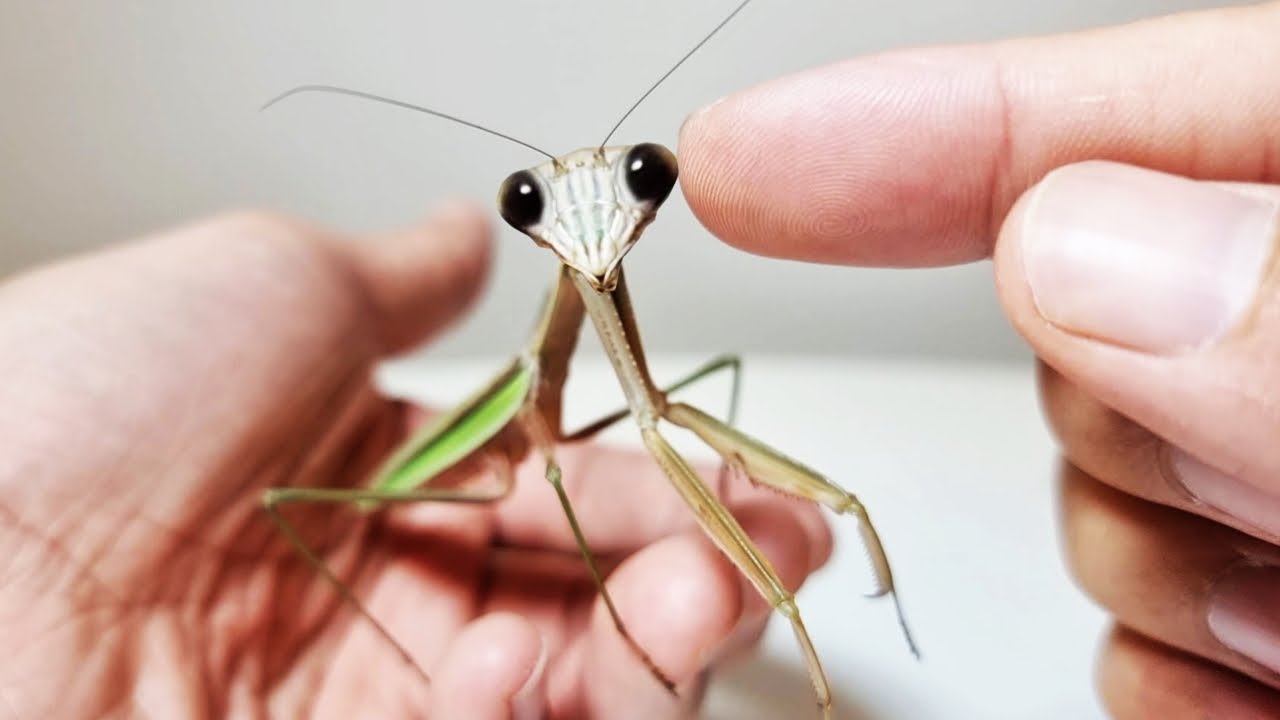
(152, 391)
(1150, 297)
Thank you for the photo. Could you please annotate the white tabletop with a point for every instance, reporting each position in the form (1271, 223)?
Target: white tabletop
(959, 473)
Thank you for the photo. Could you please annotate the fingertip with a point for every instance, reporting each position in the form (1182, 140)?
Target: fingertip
(494, 668)
(680, 599)
(684, 602)
(421, 279)
(841, 164)
(703, 137)
(464, 219)
(911, 157)
(685, 597)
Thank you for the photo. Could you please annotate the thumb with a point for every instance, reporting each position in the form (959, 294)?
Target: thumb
(1157, 295)
(420, 280)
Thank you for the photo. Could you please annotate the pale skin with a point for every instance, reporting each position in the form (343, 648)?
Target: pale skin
(1151, 300)
(155, 389)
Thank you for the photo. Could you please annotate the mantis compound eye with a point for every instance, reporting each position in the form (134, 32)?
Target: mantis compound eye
(520, 200)
(650, 172)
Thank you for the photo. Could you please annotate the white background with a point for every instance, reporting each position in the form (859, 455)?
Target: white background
(121, 117)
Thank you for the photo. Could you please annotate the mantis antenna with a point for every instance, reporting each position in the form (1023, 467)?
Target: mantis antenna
(453, 118)
(668, 73)
(402, 104)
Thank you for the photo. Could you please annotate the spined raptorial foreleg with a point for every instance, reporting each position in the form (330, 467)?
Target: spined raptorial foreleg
(765, 465)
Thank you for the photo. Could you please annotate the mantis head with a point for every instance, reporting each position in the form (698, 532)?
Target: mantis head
(591, 205)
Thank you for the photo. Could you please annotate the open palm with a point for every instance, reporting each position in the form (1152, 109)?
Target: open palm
(154, 390)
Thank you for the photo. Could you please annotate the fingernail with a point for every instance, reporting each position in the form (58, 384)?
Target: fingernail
(1218, 490)
(526, 703)
(1146, 260)
(1242, 613)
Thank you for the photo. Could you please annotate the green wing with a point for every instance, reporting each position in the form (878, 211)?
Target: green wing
(461, 432)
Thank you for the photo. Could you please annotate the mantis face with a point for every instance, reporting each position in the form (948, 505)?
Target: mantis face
(591, 205)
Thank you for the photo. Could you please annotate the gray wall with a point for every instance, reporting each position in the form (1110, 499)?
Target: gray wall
(126, 116)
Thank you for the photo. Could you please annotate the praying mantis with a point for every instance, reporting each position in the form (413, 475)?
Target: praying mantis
(590, 207)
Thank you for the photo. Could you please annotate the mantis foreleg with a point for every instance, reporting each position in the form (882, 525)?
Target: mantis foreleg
(768, 466)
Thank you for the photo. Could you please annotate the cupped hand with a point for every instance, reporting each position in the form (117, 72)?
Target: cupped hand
(1123, 182)
(153, 390)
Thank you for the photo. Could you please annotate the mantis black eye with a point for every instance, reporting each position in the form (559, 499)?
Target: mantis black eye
(520, 200)
(650, 172)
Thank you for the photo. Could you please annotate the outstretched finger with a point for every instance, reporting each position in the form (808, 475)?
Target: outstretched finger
(913, 158)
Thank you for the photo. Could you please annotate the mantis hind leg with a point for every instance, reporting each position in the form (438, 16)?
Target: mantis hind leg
(366, 499)
(767, 466)
(732, 363)
(728, 535)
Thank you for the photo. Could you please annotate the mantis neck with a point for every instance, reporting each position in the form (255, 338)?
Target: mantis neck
(615, 323)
